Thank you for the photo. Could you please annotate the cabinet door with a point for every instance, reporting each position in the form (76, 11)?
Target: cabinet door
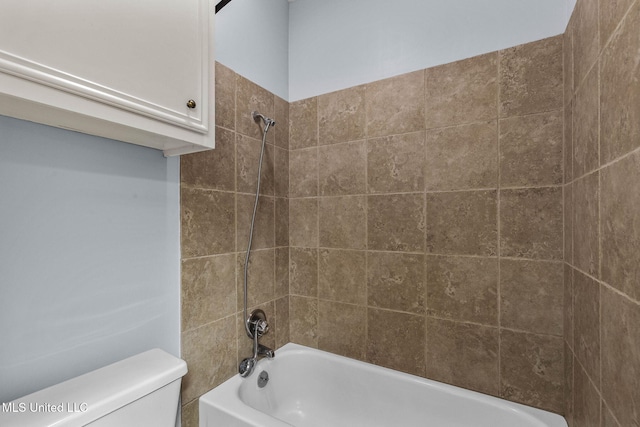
(142, 56)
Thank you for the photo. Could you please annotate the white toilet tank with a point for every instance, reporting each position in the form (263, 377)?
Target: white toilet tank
(141, 391)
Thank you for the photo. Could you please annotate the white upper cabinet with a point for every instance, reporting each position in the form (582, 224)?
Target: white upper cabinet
(139, 71)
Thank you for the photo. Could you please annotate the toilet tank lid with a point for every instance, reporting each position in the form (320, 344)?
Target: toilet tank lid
(97, 393)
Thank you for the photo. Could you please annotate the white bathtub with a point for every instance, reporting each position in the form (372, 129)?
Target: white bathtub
(312, 388)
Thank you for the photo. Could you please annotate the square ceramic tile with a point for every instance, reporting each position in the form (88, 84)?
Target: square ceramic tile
(396, 281)
(522, 378)
(342, 276)
(531, 223)
(462, 91)
(462, 157)
(463, 354)
(396, 222)
(531, 150)
(463, 288)
(462, 223)
(395, 164)
(341, 116)
(531, 78)
(395, 105)
(531, 296)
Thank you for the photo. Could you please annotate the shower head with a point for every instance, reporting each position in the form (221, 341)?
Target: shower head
(267, 121)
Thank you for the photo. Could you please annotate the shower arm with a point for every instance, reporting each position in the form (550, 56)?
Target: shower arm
(267, 121)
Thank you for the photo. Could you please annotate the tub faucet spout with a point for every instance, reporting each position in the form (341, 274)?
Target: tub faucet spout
(263, 350)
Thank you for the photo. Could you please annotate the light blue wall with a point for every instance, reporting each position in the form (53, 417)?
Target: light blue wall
(305, 48)
(336, 44)
(89, 254)
(252, 38)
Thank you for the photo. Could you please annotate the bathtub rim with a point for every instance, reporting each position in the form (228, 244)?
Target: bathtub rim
(226, 396)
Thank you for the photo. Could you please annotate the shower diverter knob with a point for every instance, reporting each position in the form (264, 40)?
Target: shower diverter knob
(257, 323)
(262, 327)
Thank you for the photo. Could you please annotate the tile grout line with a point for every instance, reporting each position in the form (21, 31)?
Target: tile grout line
(608, 286)
(288, 199)
(425, 268)
(464, 190)
(572, 216)
(317, 242)
(427, 254)
(235, 197)
(568, 152)
(273, 212)
(585, 373)
(598, 67)
(600, 168)
(364, 353)
(498, 225)
(365, 350)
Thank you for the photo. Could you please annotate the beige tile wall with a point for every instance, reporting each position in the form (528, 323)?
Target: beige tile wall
(417, 223)
(602, 214)
(217, 196)
(426, 223)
